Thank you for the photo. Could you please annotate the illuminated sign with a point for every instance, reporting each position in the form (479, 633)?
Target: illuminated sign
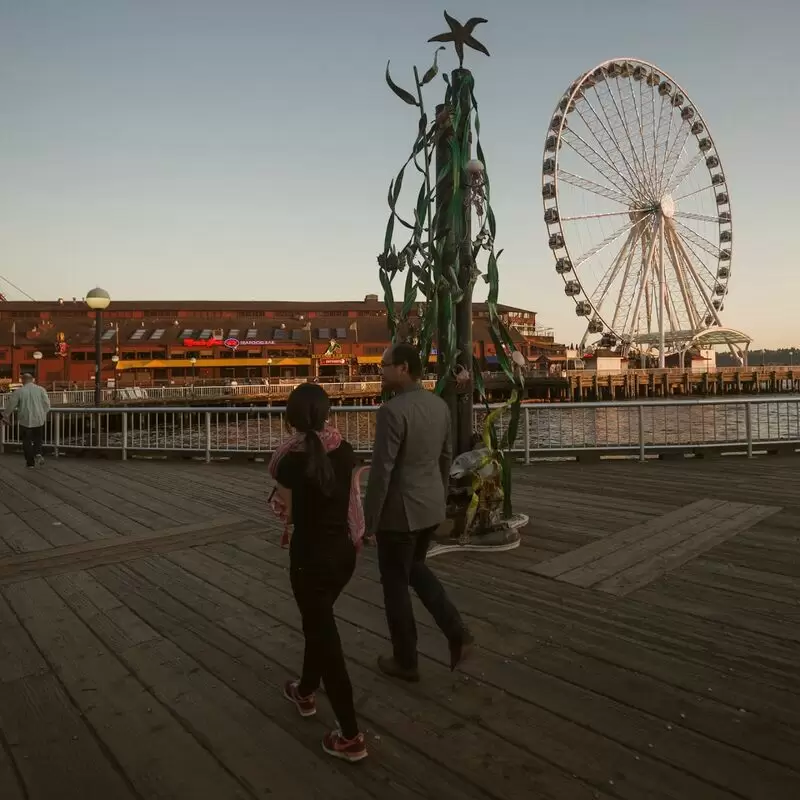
(230, 343)
(332, 362)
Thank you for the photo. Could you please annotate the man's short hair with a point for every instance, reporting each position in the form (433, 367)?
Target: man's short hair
(28, 375)
(407, 354)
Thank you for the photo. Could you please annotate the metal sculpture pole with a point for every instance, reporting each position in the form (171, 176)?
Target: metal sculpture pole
(457, 259)
(440, 262)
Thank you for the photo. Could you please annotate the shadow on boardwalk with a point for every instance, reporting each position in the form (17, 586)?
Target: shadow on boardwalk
(643, 642)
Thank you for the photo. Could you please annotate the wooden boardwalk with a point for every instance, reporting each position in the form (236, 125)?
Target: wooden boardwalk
(643, 643)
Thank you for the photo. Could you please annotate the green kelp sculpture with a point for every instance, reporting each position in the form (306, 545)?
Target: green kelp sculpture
(440, 259)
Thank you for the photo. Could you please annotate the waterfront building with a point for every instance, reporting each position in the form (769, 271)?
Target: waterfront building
(147, 342)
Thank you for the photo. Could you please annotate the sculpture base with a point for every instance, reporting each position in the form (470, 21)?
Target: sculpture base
(504, 536)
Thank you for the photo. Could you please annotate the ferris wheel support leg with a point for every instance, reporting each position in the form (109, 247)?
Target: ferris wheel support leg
(662, 295)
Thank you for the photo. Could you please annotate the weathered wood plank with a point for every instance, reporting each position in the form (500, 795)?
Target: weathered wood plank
(95, 505)
(55, 751)
(159, 757)
(685, 548)
(184, 510)
(115, 485)
(104, 551)
(19, 537)
(18, 657)
(10, 784)
(610, 544)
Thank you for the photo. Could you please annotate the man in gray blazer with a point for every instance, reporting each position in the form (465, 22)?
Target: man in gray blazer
(405, 503)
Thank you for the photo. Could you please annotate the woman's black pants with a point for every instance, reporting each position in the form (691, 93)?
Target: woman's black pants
(317, 581)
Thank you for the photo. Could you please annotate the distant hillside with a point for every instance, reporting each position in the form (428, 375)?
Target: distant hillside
(785, 356)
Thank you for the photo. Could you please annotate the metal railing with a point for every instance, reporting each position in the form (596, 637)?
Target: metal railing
(143, 394)
(634, 428)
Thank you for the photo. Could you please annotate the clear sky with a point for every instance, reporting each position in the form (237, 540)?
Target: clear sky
(242, 149)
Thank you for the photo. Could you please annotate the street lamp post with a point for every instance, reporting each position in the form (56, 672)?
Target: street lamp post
(115, 360)
(37, 357)
(98, 300)
(193, 362)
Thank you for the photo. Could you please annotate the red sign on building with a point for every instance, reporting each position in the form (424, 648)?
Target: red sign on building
(230, 343)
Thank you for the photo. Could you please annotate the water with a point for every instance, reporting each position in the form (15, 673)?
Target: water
(682, 423)
(553, 427)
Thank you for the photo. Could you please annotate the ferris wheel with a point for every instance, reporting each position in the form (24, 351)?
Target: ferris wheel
(637, 209)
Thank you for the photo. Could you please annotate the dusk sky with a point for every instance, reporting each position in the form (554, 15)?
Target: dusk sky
(242, 149)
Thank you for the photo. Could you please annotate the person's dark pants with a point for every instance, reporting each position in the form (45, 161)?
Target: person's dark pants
(317, 581)
(401, 560)
(31, 443)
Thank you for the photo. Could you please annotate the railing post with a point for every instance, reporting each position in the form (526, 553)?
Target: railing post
(527, 435)
(641, 434)
(208, 437)
(56, 434)
(748, 426)
(124, 435)
(2, 438)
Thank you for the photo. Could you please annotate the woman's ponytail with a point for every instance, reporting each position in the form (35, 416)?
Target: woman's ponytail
(306, 411)
(318, 466)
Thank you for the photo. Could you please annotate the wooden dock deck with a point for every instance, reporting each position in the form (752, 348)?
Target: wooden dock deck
(643, 643)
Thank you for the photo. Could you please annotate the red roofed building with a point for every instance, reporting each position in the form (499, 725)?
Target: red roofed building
(162, 341)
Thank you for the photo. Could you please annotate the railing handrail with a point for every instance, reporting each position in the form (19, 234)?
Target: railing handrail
(607, 404)
(630, 427)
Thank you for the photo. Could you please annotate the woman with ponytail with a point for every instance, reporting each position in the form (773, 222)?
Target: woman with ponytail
(317, 494)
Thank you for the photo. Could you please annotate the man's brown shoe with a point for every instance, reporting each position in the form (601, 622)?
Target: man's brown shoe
(388, 666)
(460, 651)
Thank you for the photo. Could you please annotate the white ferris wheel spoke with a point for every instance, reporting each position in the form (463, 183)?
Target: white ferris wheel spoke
(623, 115)
(698, 260)
(697, 240)
(608, 171)
(674, 183)
(636, 175)
(609, 240)
(597, 216)
(698, 217)
(591, 186)
(673, 158)
(613, 270)
(696, 191)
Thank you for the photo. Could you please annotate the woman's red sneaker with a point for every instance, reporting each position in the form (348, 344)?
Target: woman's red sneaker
(352, 750)
(306, 706)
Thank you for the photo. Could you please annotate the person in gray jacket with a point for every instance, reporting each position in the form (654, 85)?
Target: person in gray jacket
(405, 503)
(32, 405)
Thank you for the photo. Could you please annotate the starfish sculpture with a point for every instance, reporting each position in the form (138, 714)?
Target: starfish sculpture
(461, 35)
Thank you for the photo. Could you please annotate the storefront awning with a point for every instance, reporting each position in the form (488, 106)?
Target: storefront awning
(205, 363)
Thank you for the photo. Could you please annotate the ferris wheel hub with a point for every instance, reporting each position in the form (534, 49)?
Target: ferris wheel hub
(667, 206)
